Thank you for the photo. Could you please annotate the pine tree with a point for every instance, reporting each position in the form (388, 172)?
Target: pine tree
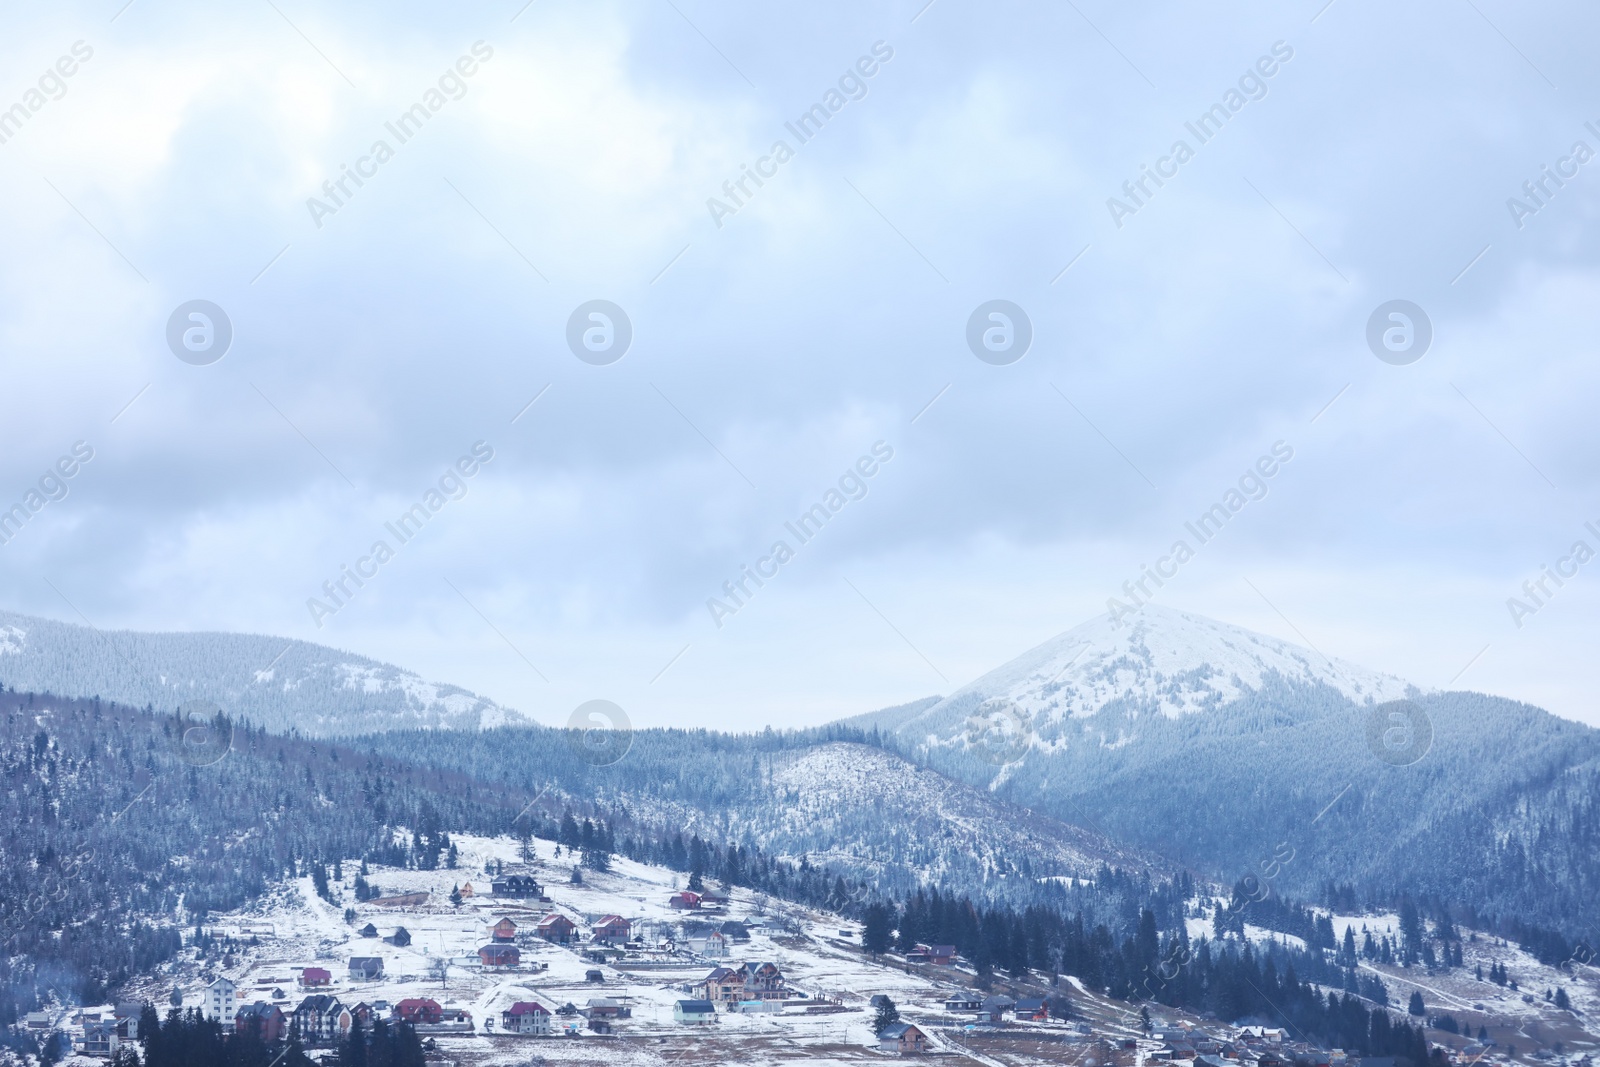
(875, 929)
(886, 1017)
(1416, 1007)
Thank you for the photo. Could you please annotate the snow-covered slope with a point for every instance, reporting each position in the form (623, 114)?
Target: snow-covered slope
(1158, 662)
(271, 681)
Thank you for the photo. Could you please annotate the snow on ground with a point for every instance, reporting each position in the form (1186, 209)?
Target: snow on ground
(818, 953)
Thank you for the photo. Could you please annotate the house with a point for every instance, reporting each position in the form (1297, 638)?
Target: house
(364, 1013)
(686, 900)
(125, 1017)
(267, 1020)
(321, 1019)
(499, 955)
(526, 1017)
(516, 885)
(712, 946)
(963, 1002)
(504, 931)
(314, 977)
(902, 1038)
(612, 929)
(939, 955)
(763, 981)
(416, 1010)
(723, 985)
(400, 938)
(594, 977)
(467, 891)
(713, 898)
(606, 1008)
(365, 968)
(997, 1007)
(556, 928)
(749, 981)
(1032, 1010)
(38, 1020)
(99, 1038)
(220, 1002)
(369, 931)
(1181, 1050)
(694, 1012)
(735, 930)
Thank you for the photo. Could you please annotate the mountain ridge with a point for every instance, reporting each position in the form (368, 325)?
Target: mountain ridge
(282, 684)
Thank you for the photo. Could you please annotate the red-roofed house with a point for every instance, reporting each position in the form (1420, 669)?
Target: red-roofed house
(557, 928)
(525, 1017)
(499, 955)
(418, 1010)
(312, 977)
(612, 928)
(504, 930)
(685, 900)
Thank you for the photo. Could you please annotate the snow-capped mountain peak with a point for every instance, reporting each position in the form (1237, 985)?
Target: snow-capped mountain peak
(1157, 661)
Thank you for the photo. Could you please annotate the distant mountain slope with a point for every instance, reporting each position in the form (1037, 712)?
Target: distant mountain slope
(849, 805)
(272, 681)
(1225, 749)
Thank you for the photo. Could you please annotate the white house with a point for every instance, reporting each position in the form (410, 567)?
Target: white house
(220, 1003)
(694, 1012)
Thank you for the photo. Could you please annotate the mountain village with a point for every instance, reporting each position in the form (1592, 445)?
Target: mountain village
(517, 956)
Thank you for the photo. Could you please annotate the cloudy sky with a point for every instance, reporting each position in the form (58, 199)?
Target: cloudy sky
(778, 335)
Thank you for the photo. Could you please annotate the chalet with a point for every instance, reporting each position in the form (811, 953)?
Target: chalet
(685, 900)
(467, 891)
(314, 977)
(400, 938)
(713, 898)
(499, 955)
(1181, 1050)
(939, 955)
(369, 931)
(723, 985)
(38, 1020)
(963, 1002)
(221, 1002)
(526, 1017)
(416, 1010)
(365, 968)
(902, 1038)
(266, 1020)
(125, 1017)
(504, 931)
(612, 929)
(735, 930)
(556, 928)
(594, 977)
(99, 1038)
(694, 1012)
(1032, 1010)
(364, 1013)
(516, 885)
(321, 1019)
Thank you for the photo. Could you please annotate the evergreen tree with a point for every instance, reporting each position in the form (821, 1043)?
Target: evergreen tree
(876, 927)
(886, 1016)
